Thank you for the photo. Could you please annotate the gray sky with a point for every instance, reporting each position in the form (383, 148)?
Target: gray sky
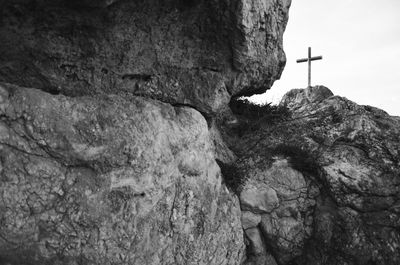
(360, 44)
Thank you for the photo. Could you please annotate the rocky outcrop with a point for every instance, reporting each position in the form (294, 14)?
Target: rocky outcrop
(109, 180)
(335, 169)
(109, 157)
(194, 52)
(106, 156)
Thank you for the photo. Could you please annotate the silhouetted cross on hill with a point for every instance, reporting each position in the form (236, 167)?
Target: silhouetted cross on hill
(309, 59)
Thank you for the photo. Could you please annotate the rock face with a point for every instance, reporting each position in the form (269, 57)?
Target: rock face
(192, 52)
(335, 167)
(110, 128)
(108, 180)
(105, 153)
(280, 220)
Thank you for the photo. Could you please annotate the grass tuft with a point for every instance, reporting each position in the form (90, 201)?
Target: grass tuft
(252, 116)
(232, 176)
(301, 160)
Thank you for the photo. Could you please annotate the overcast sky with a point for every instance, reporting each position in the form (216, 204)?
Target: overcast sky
(360, 44)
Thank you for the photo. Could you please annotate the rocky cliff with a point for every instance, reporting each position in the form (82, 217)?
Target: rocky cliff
(106, 156)
(192, 52)
(110, 181)
(118, 146)
(322, 185)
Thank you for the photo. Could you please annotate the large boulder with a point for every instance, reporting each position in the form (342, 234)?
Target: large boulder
(109, 180)
(192, 52)
(347, 186)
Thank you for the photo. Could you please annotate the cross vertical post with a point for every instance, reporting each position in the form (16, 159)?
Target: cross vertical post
(309, 59)
(309, 67)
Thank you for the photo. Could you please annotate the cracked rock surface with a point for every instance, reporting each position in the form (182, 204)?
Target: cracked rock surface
(280, 218)
(335, 168)
(106, 156)
(108, 180)
(193, 52)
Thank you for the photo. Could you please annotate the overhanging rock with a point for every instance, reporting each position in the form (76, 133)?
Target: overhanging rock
(197, 53)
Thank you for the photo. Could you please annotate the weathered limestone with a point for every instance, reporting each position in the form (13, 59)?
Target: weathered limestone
(343, 208)
(192, 52)
(112, 164)
(296, 99)
(359, 153)
(107, 180)
(258, 198)
(279, 219)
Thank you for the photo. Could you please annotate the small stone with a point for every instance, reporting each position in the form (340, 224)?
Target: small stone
(258, 199)
(250, 219)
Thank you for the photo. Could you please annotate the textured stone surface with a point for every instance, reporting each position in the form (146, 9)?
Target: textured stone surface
(108, 180)
(258, 198)
(360, 160)
(285, 227)
(107, 159)
(296, 99)
(343, 208)
(250, 219)
(194, 52)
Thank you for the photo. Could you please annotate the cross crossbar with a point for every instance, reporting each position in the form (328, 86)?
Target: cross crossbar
(302, 60)
(309, 59)
(316, 58)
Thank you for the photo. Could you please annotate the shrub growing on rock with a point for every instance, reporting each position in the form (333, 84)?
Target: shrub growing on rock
(301, 160)
(233, 179)
(243, 107)
(252, 116)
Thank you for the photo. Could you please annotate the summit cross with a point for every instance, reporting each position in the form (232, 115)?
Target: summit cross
(309, 59)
